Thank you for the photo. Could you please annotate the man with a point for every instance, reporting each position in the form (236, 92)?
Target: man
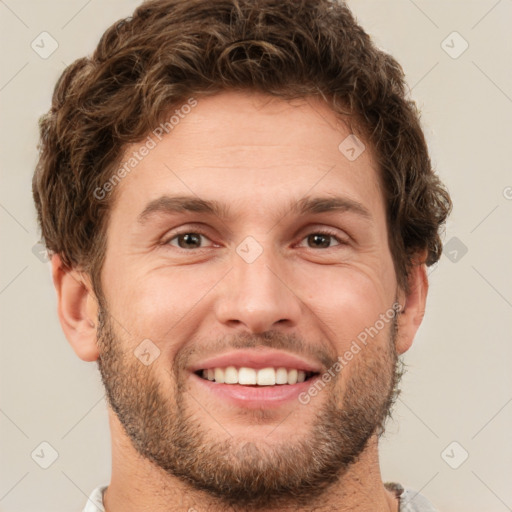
(240, 208)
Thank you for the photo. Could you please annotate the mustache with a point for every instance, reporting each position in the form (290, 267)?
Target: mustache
(321, 351)
(289, 342)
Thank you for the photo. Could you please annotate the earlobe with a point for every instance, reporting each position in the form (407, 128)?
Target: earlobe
(77, 309)
(413, 311)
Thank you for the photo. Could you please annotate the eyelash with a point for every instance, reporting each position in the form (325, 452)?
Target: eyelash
(324, 232)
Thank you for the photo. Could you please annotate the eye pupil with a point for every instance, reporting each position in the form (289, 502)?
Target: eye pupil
(318, 238)
(189, 238)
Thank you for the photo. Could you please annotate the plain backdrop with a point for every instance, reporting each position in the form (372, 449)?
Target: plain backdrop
(451, 433)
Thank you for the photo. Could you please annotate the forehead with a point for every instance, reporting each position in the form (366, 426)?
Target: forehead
(252, 151)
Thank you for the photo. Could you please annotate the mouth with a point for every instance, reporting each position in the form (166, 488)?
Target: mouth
(255, 378)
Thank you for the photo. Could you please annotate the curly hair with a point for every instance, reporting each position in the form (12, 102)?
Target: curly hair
(170, 50)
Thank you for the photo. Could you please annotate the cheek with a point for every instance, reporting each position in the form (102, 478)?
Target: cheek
(161, 304)
(345, 301)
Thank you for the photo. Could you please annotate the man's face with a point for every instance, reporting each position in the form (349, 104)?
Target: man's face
(257, 285)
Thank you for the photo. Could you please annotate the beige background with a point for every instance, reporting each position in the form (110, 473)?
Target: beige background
(459, 383)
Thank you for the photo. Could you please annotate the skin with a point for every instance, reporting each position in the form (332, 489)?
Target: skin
(256, 154)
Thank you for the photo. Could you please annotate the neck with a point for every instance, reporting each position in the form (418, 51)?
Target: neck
(137, 485)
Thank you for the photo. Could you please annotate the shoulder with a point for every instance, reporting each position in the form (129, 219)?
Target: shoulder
(410, 499)
(95, 500)
(413, 501)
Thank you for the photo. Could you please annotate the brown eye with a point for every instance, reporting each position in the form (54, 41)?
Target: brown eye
(188, 240)
(321, 240)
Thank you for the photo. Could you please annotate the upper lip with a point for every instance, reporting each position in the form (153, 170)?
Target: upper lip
(256, 358)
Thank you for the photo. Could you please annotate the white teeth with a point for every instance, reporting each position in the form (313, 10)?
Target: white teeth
(282, 376)
(219, 375)
(230, 375)
(266, 377)
(251, 376)
(247, 376)
(292, 377)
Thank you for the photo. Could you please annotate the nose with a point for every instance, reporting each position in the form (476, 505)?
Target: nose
(258, 295)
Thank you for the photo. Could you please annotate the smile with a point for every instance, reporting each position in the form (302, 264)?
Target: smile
(246, 376)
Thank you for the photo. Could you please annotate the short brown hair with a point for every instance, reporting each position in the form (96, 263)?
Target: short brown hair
(170, 50)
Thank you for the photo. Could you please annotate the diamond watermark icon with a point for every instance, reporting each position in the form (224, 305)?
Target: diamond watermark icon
(249, 249)
(44, 45)
(454, 455)
(146, 352)
(40, 252)
(44, 455)
(454, 45)
(352, 147)
(455, 249)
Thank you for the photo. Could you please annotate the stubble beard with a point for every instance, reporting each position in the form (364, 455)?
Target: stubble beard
(239, 472)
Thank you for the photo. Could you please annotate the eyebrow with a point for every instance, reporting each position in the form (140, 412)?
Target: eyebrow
(307, 205)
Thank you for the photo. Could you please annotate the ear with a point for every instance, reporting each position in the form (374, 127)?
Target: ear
(77, 309)
(414, 302)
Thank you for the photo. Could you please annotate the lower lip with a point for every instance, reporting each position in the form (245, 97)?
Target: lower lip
(269, 397)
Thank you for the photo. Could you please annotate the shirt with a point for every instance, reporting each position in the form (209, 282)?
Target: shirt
(410, 500)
